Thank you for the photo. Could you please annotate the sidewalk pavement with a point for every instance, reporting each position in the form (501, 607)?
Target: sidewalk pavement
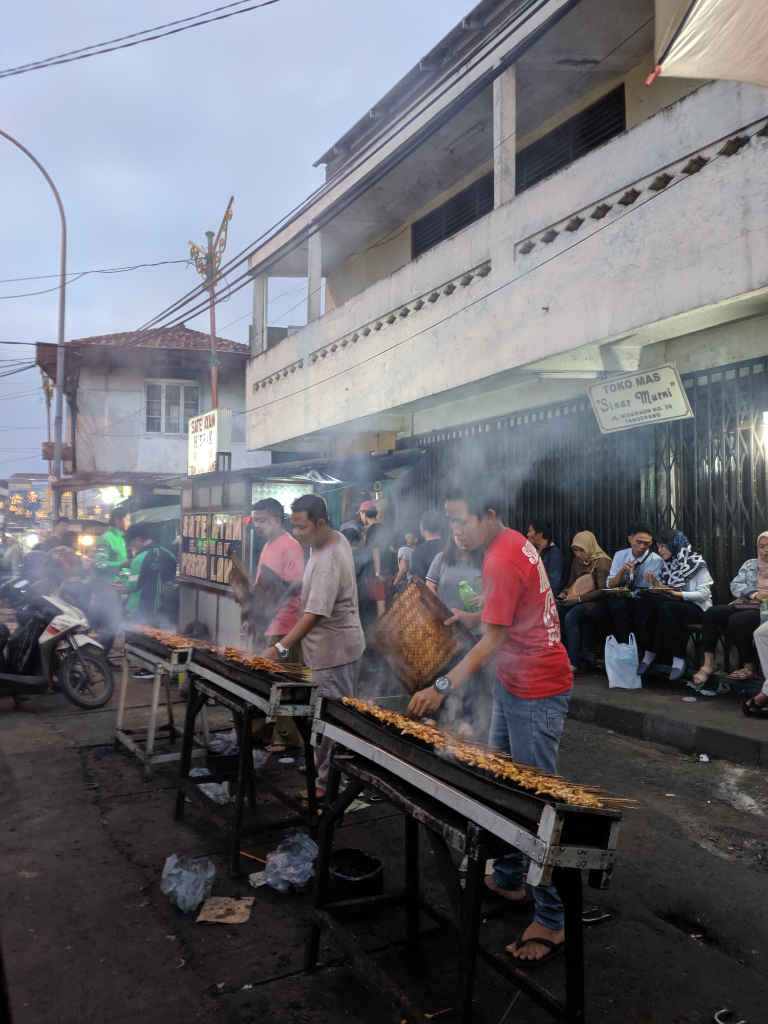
(714, 726)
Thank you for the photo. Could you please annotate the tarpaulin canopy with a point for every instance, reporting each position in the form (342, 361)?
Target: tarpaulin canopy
(712, 39)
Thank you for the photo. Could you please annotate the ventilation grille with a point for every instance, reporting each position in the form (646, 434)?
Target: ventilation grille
(467, 206)
(574, 138)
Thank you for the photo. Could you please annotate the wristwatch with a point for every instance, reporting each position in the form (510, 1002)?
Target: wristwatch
(442, 685)
(282, 651)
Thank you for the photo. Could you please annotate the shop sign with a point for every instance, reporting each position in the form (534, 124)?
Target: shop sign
(206, 542)
(635, 399)
(209, 434)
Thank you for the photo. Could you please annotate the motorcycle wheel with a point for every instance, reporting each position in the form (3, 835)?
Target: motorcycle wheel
(89, 684)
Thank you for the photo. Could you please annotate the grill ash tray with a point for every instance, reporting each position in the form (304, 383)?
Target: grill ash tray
(582, 825)
(154, 646)
(258, 682)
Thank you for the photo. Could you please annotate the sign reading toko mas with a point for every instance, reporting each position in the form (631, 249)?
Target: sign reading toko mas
(209, 434)
(634, 399)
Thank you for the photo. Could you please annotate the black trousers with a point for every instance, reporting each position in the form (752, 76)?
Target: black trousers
(614, 616)
(662, 625)
(741, 624)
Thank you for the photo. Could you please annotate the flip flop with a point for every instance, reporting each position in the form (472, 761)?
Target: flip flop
(555, 948)
(752, 710)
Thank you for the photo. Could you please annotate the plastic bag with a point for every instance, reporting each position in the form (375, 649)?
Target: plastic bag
(260, 758)
(621, 663)
(292, 863)
(187, 881)
(215, 790)
(224, 743)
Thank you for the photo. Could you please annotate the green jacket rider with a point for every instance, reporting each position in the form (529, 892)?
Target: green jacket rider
(110, 554)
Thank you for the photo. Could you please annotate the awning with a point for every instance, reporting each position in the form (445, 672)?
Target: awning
(92, 481)
(706, 39)
(350, 469)
(157, 515)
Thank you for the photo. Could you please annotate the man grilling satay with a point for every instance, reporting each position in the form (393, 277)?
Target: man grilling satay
(533, 687)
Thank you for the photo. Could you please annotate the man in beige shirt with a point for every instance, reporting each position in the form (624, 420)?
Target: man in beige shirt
(329, 629)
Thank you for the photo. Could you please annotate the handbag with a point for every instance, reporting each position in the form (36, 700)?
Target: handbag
(746, 604)
(583, 585)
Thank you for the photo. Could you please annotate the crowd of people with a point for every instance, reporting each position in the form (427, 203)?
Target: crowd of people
(126, 581)
(528, 612)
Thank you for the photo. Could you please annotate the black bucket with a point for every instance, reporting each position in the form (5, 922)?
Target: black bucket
(222, 764)
(354, 875)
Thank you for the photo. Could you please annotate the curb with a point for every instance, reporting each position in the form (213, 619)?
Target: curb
(685, 736)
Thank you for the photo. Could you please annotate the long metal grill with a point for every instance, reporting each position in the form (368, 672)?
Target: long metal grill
(705, 476)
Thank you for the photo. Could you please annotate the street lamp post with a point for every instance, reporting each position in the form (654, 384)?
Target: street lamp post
(57, 421)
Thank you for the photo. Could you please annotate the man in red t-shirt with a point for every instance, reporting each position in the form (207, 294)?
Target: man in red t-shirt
(521, 629)
(283, 554)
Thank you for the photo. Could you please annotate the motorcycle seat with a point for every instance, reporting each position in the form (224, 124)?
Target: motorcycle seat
(19, 686)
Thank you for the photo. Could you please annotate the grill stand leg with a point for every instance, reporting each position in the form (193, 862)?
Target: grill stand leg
(411, 885)
(305, 731)
(243, 778)
(469, 929)
(156, 683)
(121, 706)
(195, 703)
(326, 845)
(568, 883)
(173, 732)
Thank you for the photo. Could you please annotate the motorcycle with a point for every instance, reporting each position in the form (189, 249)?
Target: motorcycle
(51, 645)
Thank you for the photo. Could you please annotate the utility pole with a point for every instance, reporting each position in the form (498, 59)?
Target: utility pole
(57, 422)
(48, 392)
(207, 262)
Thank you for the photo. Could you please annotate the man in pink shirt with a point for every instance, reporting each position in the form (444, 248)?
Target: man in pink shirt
(285, 557)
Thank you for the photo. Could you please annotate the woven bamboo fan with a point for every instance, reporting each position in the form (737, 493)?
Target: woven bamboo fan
(413, 639)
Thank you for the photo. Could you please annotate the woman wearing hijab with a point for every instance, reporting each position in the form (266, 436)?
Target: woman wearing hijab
(741, 617)
(589, 561)
(678, 596)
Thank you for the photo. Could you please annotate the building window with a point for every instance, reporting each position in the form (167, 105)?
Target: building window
(467, 206)
(575, 137)
(170, 406)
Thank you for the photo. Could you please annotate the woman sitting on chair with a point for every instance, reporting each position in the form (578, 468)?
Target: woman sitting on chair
(741, 617)
(678, 597)
(591, 565)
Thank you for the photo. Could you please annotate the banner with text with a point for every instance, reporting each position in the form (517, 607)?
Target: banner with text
(635, 399)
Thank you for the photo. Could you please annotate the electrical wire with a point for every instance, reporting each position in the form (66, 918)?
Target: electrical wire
(107, 47)
(82, 273)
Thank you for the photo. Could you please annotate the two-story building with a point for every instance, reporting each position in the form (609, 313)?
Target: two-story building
(519, 217)
(130, 397)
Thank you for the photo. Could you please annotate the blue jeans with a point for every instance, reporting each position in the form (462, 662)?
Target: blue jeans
(530, 731)
(572, 624)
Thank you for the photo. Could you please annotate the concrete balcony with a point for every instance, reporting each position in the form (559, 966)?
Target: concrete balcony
(659, 233)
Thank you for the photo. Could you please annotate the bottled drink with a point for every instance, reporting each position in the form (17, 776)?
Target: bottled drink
(763, 610)
(466, 592)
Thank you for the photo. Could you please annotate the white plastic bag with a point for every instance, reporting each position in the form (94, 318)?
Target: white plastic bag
(292, 863)
(621, 663)
(187, 881)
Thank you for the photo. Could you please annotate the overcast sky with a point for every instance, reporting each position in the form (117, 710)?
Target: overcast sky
(147, 144)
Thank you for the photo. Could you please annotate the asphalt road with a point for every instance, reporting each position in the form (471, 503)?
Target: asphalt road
(88, 937)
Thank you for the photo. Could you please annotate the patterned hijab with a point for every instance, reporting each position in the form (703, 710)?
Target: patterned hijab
(684, 563)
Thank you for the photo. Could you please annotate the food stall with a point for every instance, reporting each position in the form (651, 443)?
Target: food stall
(216, 521)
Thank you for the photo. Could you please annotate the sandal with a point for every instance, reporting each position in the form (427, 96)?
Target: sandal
(743, 674)
(701, 677)
(555, 948)
(752, 710)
